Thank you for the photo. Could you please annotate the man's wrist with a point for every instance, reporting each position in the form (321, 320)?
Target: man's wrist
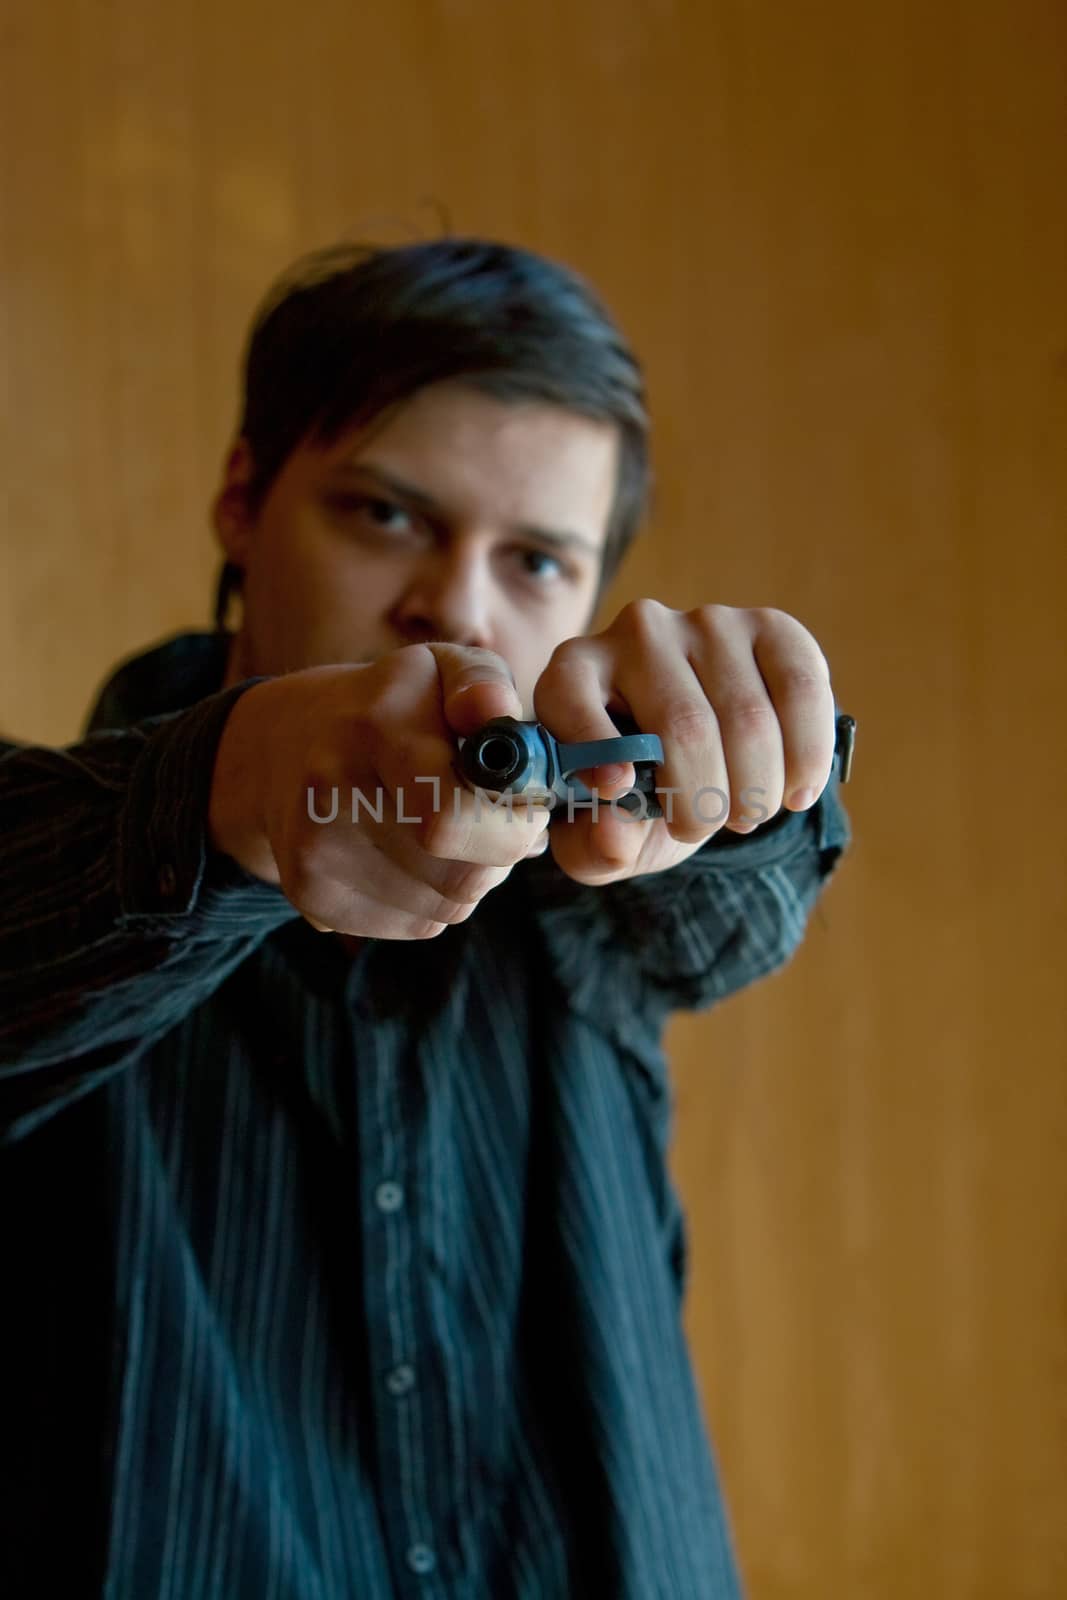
(233, 825)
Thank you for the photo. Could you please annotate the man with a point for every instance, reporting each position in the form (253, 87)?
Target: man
(345, 1259)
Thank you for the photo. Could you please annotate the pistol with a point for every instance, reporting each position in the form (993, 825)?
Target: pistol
(509, 757)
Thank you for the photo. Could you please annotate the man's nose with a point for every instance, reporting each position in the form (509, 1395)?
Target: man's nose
(447, 598)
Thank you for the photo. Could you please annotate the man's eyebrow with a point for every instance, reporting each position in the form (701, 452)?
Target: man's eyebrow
(558, 538)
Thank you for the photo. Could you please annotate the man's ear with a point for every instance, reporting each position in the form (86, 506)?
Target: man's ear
(230, 511)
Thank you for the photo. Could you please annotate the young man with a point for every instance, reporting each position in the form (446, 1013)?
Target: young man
(344, 1256)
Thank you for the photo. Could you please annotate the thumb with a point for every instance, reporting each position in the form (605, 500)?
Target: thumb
(475, 686)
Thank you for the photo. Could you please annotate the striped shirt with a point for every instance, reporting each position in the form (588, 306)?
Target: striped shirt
(339, 1275)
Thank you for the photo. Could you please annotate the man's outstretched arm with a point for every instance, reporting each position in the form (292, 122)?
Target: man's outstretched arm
(688, 908)
(734, 911)
(117, 916)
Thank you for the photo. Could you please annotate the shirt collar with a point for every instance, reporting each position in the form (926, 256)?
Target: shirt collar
(171, 675)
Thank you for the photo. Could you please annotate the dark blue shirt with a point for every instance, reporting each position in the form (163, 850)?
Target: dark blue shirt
(342, 1275)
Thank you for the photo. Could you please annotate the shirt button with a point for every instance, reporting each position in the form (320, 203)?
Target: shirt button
(400, 1380)
(389, 1196)
(420, 1558)
(167, 880)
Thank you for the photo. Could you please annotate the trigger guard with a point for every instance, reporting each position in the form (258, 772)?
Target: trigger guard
(599, 752)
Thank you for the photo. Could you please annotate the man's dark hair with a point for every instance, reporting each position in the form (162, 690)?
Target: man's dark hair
(352, 329)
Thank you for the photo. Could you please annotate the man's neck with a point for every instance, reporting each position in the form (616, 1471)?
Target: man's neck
(235, 662)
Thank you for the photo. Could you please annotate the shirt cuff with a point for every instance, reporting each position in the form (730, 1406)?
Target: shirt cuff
(168, 872)
(780, 838)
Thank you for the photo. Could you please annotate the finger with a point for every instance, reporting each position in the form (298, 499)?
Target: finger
(392, 895)
(797, 676)
(600, 849)
(490, 831)
(571, 697)
(662, 685)
(376, 845)
(425, 797)
(750, 755)
(475, 686)
(362, 916)
(495, 844)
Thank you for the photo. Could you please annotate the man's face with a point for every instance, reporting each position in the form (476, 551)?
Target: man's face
(457, 517)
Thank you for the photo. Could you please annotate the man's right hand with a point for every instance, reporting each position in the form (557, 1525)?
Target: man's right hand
(375, 729)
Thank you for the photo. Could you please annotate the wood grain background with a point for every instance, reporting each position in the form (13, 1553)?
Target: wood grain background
(836, 234)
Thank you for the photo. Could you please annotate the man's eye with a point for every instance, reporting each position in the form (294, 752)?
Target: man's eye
(533, 560)
(383, 513)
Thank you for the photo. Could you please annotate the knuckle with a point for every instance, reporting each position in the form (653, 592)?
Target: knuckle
(393, 667)
(757, 716)
(455, 911)
(458, 914)
(441, 837)
(689, 723)
(799, 680)
(570, 655)
(644, 616)
(386, 686)
(771, 615)
(432, 837)
(710, 616)
(464, 884)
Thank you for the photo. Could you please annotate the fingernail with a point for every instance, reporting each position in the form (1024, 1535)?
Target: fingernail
(801, 799)
(607, 775)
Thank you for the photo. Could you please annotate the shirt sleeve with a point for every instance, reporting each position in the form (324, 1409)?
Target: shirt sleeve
(117, 916)
(682, 939)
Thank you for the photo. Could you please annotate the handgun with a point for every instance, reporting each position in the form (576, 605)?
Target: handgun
(509, 757)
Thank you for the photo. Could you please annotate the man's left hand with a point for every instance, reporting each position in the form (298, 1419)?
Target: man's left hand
(742, 702)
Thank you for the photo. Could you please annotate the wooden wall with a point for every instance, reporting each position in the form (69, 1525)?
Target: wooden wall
(836, 233)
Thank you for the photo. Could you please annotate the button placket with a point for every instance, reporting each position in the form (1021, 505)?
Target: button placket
(393, 1261)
